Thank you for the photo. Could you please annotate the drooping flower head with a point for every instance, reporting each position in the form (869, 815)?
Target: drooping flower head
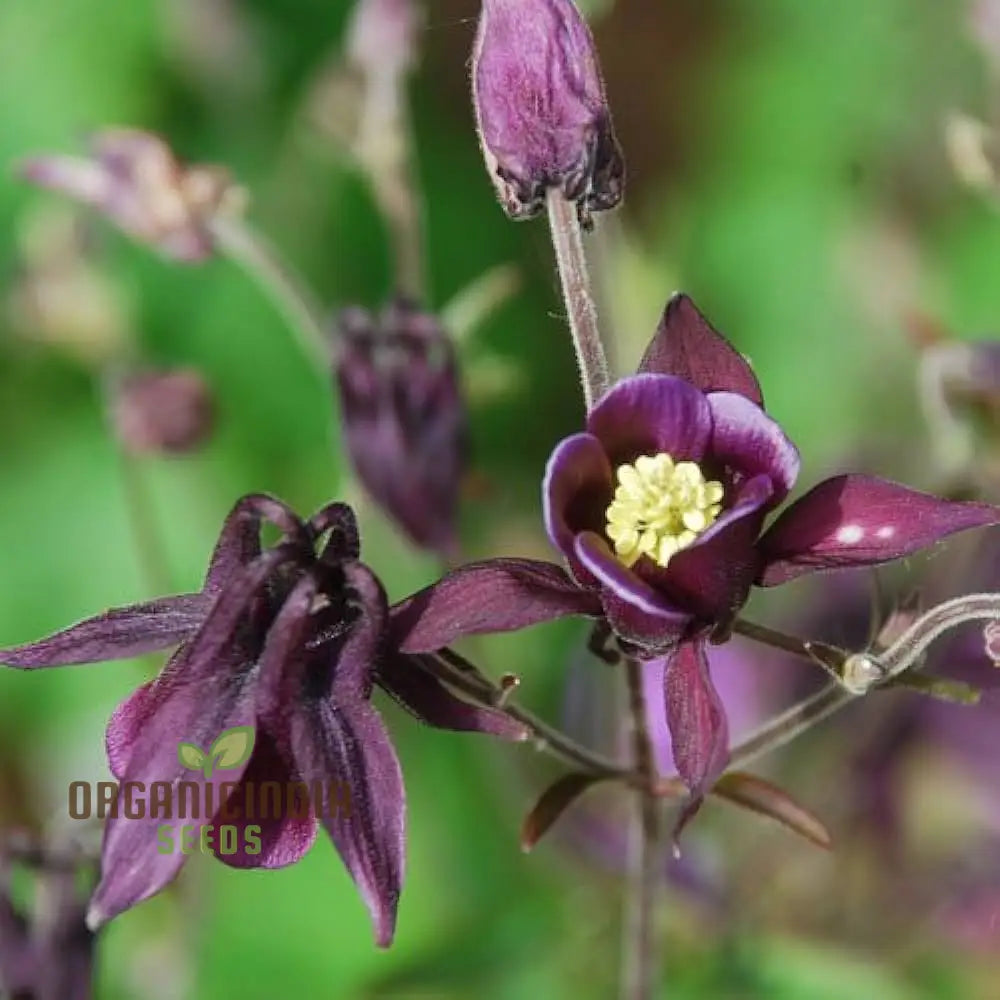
(404, 418)
(134, 179)
(541, 110)
(286, 642)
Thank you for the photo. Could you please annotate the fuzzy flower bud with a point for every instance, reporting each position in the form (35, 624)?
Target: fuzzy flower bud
(134, 179)
(541, 110)
(163, 412)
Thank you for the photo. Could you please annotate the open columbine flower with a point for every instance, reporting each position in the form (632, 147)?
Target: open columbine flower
(289, 641)
(659, 507)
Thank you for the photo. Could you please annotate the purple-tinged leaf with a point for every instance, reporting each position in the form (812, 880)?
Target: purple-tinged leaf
(686, 345)
(413, 686)
(554, 801)
(696, 717)
(117, 634)
(762, 797)
(499, 595)
(854, 520)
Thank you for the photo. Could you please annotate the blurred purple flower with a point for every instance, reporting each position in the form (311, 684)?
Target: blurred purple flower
(49, 954)
(540, 105)
(288, 641)
(134, 179)
(404, 418)
(163, 412)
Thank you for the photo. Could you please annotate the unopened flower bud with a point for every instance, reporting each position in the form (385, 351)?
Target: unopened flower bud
(163, 413)
(404, 418)
(541, 109)
(135, 180)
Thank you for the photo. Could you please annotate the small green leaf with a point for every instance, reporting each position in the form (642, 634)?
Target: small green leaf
(191, 756)
(231, 748)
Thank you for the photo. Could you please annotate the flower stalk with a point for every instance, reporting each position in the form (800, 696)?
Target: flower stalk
(638, 952)
(581, 312)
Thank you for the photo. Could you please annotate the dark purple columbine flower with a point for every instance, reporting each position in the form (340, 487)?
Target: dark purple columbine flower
(47, 953)
(134, 179)
(404, 418)
(289, 640)
(658, 507)
(540, 105)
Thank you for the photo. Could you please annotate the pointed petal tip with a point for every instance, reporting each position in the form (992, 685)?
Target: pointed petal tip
(96, 918)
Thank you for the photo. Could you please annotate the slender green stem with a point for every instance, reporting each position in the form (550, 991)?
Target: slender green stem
(638, 951)
(248, 248)
(567, 241)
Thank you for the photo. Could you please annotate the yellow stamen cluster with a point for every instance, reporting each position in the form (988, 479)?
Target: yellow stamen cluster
(660, 507)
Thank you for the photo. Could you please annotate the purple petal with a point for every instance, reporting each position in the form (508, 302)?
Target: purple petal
(746, 439)
(855, 520)
(498, 595)
(633, 608)
(578, 486)
(115, 635)
(712, 577)
(239, 540)
(339, 738)
(208, 688)
(686, 345)
(284, 837)
(649, 414)
(696, 718)
(424, 696)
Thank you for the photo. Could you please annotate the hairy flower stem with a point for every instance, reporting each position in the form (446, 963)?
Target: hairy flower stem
(638, 952)
(248, 248)
(567, 241)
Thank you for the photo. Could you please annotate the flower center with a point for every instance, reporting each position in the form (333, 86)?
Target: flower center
(660, 507)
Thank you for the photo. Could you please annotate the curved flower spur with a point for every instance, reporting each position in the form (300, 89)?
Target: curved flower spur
(289, 640)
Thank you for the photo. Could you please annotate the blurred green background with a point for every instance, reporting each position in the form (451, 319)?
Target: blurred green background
(788, 169)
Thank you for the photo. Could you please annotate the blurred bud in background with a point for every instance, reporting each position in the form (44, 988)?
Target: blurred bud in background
(46, 950)
(541, 109)
(959, 390)
(134, 179)
(59, 297)
(162, 412)
(404, 418)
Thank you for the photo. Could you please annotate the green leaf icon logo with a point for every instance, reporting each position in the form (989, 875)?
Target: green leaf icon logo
(231, 748)
(191, 756)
